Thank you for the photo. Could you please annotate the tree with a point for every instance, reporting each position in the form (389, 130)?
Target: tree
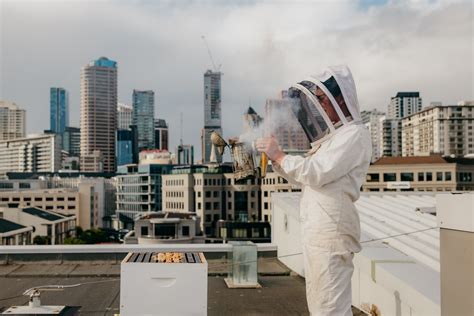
(41, 240)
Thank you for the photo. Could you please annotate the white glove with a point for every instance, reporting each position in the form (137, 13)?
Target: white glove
(270, 146)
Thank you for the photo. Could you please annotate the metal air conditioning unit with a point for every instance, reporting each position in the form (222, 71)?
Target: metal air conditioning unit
(163, 284)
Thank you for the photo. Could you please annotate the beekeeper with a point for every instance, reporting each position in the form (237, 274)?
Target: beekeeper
(330, 175)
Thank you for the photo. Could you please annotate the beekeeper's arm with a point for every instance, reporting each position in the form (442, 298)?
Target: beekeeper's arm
(330, 163)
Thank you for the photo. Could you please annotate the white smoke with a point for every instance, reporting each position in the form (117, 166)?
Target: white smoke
(279, 114)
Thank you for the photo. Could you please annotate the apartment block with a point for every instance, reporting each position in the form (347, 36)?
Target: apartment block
(446, 130)
(40, 153)
(12, 121)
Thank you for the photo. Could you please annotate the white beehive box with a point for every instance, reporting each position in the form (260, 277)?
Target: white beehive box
(148, 287)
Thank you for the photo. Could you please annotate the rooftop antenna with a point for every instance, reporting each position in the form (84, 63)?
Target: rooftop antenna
(181, 128)
(216, 69)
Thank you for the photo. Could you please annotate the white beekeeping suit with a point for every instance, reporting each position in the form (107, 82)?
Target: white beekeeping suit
(331, 176)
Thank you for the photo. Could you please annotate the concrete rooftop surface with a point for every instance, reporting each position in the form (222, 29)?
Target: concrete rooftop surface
(281, 292)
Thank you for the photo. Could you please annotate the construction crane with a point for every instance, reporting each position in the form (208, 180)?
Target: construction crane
(216, 69)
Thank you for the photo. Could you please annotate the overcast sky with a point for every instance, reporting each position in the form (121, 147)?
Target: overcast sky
(263, 46)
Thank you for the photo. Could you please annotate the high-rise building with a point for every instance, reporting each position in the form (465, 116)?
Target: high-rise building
(41, 153)
(446, 130)
(390, 137)
(404, 104)
(72, 141)
(251, 120)
(372, 120)
(98, 115)
(143, 117)
(12, 121)
(58, 110)
(127, 147)
(161, 134)
(124, 116)
(281, 122)
(401, 105)
(212, 113)
(185, 154)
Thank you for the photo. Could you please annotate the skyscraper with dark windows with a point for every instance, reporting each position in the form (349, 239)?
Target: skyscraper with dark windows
(161, 134)
(212, 113)
(58, 110)
(143, 117)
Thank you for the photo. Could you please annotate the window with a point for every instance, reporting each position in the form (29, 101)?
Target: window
(265, 205)
(208, 194)
(216, 205)
(144, 231)
(429, 176)
(216, 194)
(389, 177)
(373, 177)
(229, 205)
(265, 193)
(49, 199)
(208, 206)
(252, 193)
(406, 176)
(229, 194)
(421, 176)
(216, 217)
(439, 176)
(208, 217)
(447, 176)
(199, 194)
(465, 177)
(25, 185)
(185, 230)
(199, 205)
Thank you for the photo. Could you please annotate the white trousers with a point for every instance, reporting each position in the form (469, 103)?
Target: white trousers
(328, 280)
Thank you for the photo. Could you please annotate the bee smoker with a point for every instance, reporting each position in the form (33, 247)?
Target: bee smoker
(243, 158)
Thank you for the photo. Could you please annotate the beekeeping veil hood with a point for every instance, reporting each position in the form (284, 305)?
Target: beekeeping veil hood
(325, 103)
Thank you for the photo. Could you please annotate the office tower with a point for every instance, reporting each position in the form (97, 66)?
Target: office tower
(58, 110)
(124, 116)
(161, 134)
(251, 121)
(72, 141)
(127, 146)
(12, 121)
(143, 115)
(98, 115)
(212, 113)
(438, 129)
(185, 154)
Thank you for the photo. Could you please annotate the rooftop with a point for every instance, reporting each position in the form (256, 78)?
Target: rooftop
(47, 215)
(432, 159)
(7, 226)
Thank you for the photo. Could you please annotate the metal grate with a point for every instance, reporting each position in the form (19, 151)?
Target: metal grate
(165, 257)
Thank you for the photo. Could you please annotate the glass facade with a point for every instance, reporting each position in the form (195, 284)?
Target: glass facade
(59, 110)
(126, 150)
(143, 118)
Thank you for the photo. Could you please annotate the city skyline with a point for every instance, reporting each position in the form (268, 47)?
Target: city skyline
(260, 55)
